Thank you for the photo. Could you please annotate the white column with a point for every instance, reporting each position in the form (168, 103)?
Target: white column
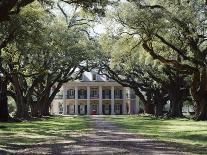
(112, 100)
(76, 100)
(124, 110)
(64, 100)
(88, 101)
(100, 101)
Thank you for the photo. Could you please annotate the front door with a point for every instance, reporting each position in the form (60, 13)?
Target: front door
(94, 109)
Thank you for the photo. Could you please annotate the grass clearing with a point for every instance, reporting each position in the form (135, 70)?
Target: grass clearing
(48, 130)
(181, 131)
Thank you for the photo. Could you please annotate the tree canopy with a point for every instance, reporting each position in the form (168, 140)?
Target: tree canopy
(157, 48)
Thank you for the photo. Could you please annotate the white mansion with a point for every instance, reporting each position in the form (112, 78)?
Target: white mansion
(94, 94)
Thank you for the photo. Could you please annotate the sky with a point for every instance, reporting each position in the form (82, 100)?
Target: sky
(98, 29)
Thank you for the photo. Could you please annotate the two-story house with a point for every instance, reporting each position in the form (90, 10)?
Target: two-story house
(94, 94)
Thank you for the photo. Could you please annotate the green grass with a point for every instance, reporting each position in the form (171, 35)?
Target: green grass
(49, 130)
(181, 131)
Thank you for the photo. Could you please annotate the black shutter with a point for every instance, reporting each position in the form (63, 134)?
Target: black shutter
(109, 94)
(103, 109)
(78, 109)
(68, 109)
(85, 109)
(78, 94)
(120, 109)
(103, 94)
(110, 109)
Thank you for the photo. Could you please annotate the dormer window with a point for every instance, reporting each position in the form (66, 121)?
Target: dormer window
(107, 78)
(94, 77)
(81, 78)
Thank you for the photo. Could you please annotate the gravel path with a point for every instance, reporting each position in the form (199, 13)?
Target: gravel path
(103, 139)
(107, 138)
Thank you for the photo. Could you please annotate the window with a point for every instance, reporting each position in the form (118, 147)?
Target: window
(94, 93)
(94, 77)
(71, 94)
(107, 78)
(107, 94)
(82, 94)
(118, 94)
(117, 107)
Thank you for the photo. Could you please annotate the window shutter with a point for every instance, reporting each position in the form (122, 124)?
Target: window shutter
(103, 95)
(110, 94)
(120, 108)
(78, 93)
(121, 94)
(78, 109)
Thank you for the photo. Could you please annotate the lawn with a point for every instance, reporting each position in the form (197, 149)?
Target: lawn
(181, 131)
(47, 131)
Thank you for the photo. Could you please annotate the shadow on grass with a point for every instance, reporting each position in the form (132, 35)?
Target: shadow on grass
(54, 137)
(85, 144)
(200, 138)
(47, 130)
(181, 131)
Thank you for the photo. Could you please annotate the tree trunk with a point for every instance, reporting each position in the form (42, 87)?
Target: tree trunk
(46, 104)
(199, 93)
(46, 109)
(176, 104)
(175, 109)
(201, 109)
(48, 98)
(35, 109)
(159, 101)
(159, 109)
(22, 108)
(176, 94)
(149, 108)
(4, 113)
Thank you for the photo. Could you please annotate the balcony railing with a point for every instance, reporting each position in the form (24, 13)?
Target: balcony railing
(94, 96)
(118, 96)
(106, 96)
(82, 96)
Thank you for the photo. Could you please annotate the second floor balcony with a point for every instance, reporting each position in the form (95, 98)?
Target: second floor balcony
(94, 94)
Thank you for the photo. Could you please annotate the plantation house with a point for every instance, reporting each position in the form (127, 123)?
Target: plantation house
(94, 94)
